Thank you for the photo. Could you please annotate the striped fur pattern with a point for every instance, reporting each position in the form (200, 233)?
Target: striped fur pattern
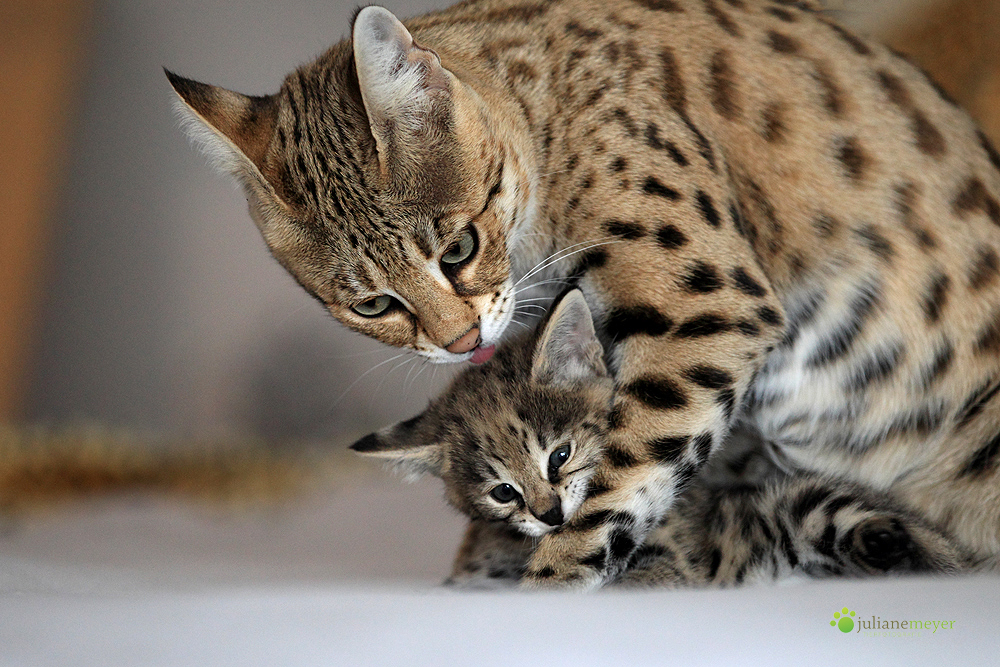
(771, 219)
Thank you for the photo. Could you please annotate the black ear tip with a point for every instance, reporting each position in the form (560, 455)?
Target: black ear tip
(369, 443)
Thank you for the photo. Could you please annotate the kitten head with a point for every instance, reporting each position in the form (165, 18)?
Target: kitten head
(383, 184)
(515, 440)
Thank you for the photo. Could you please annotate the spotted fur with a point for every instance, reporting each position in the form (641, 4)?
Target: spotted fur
(756, 194)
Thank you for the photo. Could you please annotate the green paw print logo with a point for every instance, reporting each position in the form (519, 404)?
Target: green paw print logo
(842, 620)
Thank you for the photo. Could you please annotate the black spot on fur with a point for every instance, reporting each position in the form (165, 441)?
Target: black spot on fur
(782, 43)
(939, 365)
(702, 446)
(852, 157)
(991, 152)
(673, 84)
(839, 342)
(722, 19)
(722, 83)
(618, 165)
(876, 242)
(773, 120)
(621, 544)
(590, 521)
(592, 259)
(597, 560)
(930, 141)
(807, 502)
(983, 459)
(714, 564)
(974, 197)
(988, 339)
(709, 377)
(858, 46)
(727, 399)
(985, 268)
(629, 231)
(620, 458)
(708, 324)
(667, 449)
(653, 140)
(623, 323)
(976, 401)
(702, 278)
(769, 316)
(875, 367)
(671, 238)
(745, 283)
(781, 14)
(936, 297)
(660, 393)
(661, 5)
(707, 209)
(652, 186)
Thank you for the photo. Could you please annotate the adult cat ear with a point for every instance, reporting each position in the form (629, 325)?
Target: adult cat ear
(568, 351)
(399, 79)
(233, 129)
(406, 445)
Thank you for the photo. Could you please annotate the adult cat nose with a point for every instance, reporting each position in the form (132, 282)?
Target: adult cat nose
(467, 342)
(553, 517)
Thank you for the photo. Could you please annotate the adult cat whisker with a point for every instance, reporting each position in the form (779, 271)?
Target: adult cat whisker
(378, 387)
(420, 368)
(547, 281)
(530, 305)
(566, 256)
(362, 376)
(552, 259)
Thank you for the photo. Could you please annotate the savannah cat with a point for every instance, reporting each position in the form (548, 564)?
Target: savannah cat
(523, 465)
(770, 218)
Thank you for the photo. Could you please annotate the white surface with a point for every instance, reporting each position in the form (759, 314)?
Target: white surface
(350, 578)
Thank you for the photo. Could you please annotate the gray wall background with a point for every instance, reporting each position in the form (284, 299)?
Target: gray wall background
(164, 310)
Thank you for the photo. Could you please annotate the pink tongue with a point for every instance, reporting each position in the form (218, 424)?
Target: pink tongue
(482, 354)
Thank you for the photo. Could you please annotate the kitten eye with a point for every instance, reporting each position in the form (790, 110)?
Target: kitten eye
(461, 250)
(504, 493)
(373, 307)
(558, 457)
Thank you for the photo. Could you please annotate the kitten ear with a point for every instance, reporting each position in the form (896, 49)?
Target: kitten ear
(235, 130)
(406, 445)
(568, 351)
(399, 79)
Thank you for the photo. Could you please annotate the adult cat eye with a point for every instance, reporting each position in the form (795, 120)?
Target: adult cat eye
(558, 457)
(504, 493)
(373, 307)
(460, 250)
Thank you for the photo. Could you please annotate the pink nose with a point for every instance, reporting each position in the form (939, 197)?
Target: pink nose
(467, 342)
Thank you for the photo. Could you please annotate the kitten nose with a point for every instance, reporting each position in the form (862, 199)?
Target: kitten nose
(553, 517)
(467, 342)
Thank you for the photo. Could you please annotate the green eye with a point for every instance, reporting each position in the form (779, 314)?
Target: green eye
(558, 457)
(504, 493)
(373, 307)
(461, 250)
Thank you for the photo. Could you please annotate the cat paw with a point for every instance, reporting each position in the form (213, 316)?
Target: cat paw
(547, 577)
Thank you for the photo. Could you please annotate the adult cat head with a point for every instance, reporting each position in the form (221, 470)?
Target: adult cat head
(388, 183)
(515, 440)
